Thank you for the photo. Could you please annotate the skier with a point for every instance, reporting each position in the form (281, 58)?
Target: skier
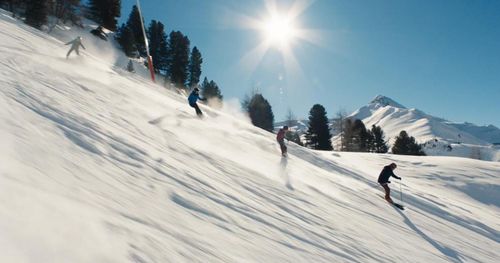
(75, 45)
(99, 32)
(280, 137)
(383, 179)
(193, 97)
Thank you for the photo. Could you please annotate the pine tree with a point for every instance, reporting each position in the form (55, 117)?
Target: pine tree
(158, 45)
(261, 113)
(245, 103)
(194, 67)
(65, 9)
(36, 13)
(125, 37)
(178, 58)
(406, 145)
(12, 5)
(318, 135)
(134, 25)
(130, 66)
(379, 143)
(362, 139)
(210, 90)
(105, 12)
(347, 138)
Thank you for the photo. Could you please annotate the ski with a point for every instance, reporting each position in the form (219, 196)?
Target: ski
(395, 204)
(399, 206)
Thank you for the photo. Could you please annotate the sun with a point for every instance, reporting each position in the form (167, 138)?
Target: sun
(279, 30)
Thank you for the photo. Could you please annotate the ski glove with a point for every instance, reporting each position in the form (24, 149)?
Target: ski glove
(399, 178)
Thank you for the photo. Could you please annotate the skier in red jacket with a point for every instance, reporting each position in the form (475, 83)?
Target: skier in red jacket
(280, 137)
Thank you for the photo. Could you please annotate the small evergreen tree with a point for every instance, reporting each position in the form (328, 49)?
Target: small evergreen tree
(125, 37)
(210, 90)
(130, 66)
(194, 67)
(134, 25)
(178, 58)
(36, 13)
(158, 45)
(379, 143)
(245, 103)
(361, 138)
(347, 138)
(406, 145)
(261, 113)
(318, 135)
(65, 9)
(105, 12)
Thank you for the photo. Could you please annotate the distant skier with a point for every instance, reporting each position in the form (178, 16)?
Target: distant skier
(99, 32)
(383, 179)
(280, 137)
(193, 98)
(75, 45)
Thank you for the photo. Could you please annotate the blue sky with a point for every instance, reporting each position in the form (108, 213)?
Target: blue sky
(441, 56)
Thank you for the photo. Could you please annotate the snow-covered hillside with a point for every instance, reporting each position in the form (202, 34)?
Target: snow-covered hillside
(98, 165)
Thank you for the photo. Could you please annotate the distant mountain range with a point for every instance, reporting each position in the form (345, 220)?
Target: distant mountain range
(439, 136)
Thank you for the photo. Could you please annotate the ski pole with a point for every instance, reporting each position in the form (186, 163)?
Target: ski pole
(400, 192)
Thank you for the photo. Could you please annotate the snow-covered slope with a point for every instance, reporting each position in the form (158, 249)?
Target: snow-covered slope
(100, 166)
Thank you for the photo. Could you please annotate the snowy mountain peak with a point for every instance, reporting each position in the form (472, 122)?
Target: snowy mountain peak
(383, 101)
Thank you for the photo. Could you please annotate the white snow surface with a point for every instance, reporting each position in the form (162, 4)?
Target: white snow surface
(99, 165)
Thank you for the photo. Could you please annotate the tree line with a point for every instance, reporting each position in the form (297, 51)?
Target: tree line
(354, 136)
(172, 56)
(36, 12)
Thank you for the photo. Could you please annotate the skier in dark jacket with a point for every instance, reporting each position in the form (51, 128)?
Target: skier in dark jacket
(75, 45)
(99, 32)
(280, 137)
(193, 98)
(383, 179)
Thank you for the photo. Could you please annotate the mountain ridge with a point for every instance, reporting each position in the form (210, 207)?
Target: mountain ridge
(463, 139)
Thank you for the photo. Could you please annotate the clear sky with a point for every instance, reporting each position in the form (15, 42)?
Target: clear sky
(440, 56)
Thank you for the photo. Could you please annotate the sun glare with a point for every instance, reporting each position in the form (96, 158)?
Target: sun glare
(279, 30)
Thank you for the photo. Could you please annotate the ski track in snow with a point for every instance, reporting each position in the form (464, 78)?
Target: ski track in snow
(100, 166)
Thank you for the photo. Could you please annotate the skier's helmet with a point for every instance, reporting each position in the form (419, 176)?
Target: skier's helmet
(196, 89)
(393, 166)
(285, 127)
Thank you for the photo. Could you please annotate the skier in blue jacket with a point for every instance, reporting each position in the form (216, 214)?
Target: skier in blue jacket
(193, 98)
